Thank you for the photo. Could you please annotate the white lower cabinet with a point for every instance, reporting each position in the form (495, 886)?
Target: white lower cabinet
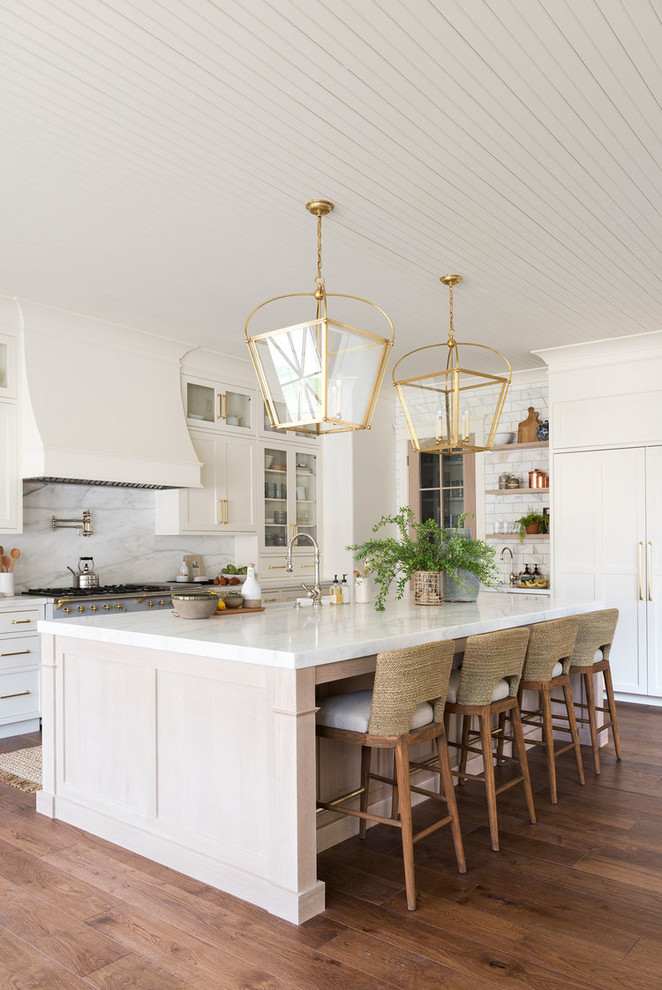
(20, 696)
(607, 544)
(227, 501)
(10, 484)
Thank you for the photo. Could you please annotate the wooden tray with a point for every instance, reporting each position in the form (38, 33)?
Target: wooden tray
(236, 611)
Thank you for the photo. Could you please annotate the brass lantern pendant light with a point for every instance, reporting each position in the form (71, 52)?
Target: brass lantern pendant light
(458, 407)
(320, 376)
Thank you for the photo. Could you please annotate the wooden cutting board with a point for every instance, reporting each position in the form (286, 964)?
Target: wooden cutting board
(236, 611)
(526, 431)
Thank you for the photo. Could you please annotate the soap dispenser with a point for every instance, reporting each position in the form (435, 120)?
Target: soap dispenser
(336, 593)
(344, 589)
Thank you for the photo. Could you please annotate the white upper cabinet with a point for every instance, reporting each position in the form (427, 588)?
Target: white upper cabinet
(227, 500)
(218, 406)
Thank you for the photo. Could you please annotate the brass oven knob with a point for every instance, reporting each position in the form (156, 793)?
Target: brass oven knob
(150, 604)
(66, 609)
(81, 609)
(161, 602)
(106, 608)
(119, 606)
(93, 608)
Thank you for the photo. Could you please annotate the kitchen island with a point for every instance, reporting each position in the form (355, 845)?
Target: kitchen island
(192, 742)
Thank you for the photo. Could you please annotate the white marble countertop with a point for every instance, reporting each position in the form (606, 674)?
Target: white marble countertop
(283, 636)
(12, 601)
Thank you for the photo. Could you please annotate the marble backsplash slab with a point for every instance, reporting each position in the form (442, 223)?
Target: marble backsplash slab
(123, 544)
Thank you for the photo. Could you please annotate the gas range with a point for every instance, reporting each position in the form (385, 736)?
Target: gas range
(104, 599)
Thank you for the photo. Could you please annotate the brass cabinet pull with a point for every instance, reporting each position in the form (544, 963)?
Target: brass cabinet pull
(271, 599)
(20, 622)
(641, 546)
(219, 522)
(293, 529)
(307, 565)
(649, 572)
(222, 411)
(276, 567)
(227, 511)
(18, 653)
(3, 697)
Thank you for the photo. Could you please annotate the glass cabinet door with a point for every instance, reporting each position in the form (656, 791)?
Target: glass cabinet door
(305, 492)
(445, 489)
(7, 367)
(276, 516)
(215, 405)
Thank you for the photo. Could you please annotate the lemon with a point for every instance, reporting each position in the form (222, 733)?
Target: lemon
(221, 605)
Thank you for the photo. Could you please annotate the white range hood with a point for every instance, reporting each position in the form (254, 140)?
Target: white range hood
(101, 404)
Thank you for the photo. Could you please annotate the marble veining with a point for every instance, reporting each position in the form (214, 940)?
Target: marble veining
(285, 637)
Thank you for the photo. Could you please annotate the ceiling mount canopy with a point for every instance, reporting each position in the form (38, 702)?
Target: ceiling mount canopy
(456, 408)
(319, 376)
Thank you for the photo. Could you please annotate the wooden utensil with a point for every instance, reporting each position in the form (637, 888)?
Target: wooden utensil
(5, 564)
(15, 554)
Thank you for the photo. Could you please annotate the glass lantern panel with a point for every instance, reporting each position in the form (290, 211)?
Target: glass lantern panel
(354, 362)
(291, 361)
(275, 497)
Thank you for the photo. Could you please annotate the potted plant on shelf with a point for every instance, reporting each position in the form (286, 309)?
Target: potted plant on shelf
(423, 552)
(531, 523)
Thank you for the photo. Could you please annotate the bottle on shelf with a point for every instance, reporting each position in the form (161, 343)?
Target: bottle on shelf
(183, 571)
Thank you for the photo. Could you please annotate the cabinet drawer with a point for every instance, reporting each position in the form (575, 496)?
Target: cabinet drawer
(19, 651)
(19, 695)
(19, 620)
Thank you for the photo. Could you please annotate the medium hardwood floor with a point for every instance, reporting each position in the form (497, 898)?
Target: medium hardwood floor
(574, 901)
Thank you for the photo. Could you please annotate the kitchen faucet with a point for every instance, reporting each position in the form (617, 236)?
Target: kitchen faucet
(513, 578)
(315, 592)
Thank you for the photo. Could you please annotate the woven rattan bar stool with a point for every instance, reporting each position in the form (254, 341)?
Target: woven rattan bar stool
(405, 707)
(595, 635)
(485, 687)
(546, 667)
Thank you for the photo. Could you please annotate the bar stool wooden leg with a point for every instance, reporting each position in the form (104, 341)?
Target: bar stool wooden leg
(404, 800)
(464, 752)
(449, 793)
(518, 736)
(574, 734)
(366, 754)
(548, 734)
(609, 689)
(488, 770)
(500, 738)
(590, 702)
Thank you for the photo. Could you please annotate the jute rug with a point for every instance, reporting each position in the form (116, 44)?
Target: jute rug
(22, 769)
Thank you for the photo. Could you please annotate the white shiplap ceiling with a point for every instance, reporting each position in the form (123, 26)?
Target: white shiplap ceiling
(157, 155)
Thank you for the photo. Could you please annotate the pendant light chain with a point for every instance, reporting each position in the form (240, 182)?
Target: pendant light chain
(451, 331)
(320, 279)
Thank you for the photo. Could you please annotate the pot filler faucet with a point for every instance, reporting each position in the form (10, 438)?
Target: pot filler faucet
(315, 592)
(513, 576)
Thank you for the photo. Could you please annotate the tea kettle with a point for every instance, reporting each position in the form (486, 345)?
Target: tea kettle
(87, 576)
